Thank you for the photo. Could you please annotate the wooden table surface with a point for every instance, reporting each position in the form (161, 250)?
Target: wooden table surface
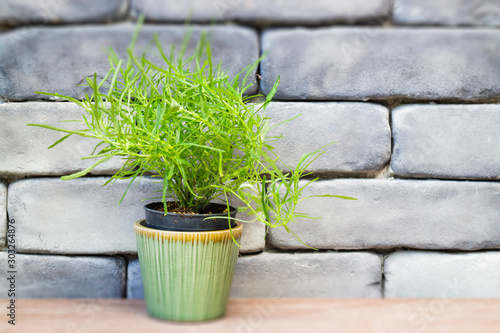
(258, 315)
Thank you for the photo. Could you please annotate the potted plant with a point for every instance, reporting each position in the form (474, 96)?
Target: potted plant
(189, 125)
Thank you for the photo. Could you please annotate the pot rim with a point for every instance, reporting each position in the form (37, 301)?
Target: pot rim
(233, 210)
(140, 227)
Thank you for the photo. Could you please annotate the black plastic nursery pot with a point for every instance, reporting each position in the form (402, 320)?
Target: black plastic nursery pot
(187, 263)
(187, 222)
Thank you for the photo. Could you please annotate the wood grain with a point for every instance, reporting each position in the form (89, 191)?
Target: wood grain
(259, 315)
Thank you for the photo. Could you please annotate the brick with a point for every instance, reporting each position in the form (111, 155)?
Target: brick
(47, 276)
(24, 149)
(3, 212)
(412, 274)
(446, 141)
(377, 63)
(264, 12)
(58, 59)
(77, 216)
(32, 12)
(447, 12)
(361, 130)
(253, 237)
(388, 214)
(300, 275)
(308, 275)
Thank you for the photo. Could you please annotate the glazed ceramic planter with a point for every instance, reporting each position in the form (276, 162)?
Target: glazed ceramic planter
(187, 276)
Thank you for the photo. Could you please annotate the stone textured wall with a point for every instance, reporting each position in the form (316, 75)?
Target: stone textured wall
(407, 88)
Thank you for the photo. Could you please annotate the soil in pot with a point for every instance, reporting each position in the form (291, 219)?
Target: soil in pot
(213, 217)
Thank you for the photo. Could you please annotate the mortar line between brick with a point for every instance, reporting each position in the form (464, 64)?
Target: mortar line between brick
(128, 12)
(129, 256)
(391, 127)
(465, 180)
(383, 257)
(322, 176)
(258, 74)
(392, 8)
(6, 182)
(372, 22)
(391, 102)
(125, 284)
(395, 101)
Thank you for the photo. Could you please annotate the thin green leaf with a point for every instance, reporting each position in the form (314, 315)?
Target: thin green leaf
(86, 171)
(59, 141)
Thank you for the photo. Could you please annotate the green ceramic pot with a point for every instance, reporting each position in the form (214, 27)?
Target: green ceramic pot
(187, 276)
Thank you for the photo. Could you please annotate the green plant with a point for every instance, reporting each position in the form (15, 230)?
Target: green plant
(189, 124)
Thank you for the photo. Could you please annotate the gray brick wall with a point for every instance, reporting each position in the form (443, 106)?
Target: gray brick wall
(408, 90)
